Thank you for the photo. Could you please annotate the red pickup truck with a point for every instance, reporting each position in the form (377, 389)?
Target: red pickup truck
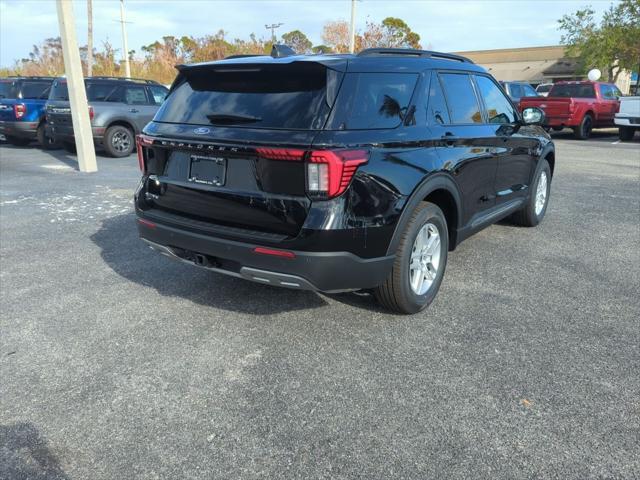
(578, 105)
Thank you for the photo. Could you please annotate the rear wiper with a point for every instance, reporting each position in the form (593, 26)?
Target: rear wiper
(226, 119)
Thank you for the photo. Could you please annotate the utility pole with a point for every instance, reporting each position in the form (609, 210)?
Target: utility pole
(75, 82)
(273, 27)
(90, 38)
(125, 53)
(352, 28)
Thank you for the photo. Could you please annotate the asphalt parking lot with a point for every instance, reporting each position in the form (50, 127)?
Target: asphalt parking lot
(117, 363)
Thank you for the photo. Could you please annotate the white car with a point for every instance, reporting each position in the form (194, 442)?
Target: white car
(543, 89)
(628, 117)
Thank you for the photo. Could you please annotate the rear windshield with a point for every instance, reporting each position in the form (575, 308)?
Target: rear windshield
(295, 96)
(575, 90)
(35, 90)
(6, 90)
(543, 88)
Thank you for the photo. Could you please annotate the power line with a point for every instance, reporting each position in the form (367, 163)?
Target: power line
(273, 27)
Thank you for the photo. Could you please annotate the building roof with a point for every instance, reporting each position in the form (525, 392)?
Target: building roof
(531, 64)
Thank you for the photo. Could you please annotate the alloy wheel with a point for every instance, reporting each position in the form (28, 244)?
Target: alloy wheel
(425, 259)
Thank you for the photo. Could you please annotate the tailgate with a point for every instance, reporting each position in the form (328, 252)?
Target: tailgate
(6, 110)
(201, 184)
(227, 147)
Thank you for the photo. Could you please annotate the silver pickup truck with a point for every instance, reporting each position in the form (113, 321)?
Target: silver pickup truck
(119, 108)
(628, 117)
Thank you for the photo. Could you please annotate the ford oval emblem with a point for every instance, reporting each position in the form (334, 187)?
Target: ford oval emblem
(201, 131)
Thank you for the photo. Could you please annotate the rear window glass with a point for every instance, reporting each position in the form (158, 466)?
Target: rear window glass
(373, 101)
(6, 90)
(295, 96)
(35, 90)
(543, 88)
(575, 90)
(59, 91)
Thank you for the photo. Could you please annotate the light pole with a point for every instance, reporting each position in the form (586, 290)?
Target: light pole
(89, 38)
(273, 27)
(352, 27)
(127, 68)
(75, 83)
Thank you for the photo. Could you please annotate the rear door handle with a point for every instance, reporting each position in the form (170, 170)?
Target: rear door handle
(134, 110)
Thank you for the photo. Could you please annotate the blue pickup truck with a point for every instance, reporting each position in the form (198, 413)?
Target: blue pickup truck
(22, 112)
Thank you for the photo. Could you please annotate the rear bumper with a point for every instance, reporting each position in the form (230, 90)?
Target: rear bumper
(627, 121)
(65, 132)
(19, 129)
(321, 271)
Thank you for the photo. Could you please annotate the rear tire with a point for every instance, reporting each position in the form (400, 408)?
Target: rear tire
(533, 212)
(18, 141)
(583, 131)
(420, 263)
(626, 133)
(46, 142)
(119, 141)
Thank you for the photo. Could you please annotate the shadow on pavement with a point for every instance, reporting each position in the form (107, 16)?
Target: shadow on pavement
(24, 454)
(123, 251)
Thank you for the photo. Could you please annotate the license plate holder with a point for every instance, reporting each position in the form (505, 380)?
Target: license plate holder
(208, 170)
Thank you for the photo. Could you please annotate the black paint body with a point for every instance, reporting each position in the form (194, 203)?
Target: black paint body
(478, 173)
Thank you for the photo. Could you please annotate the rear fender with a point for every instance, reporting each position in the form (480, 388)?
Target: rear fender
(436, 181)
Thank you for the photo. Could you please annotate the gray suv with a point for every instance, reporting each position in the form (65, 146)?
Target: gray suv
(119, 108)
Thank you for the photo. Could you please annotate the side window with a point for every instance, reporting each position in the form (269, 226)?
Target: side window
(135, 95)
(499, 109)
(437, 112)
(610, 92)
(158, 94)
(99, 92)
(529, 91)
(515, 90)
(461, 99)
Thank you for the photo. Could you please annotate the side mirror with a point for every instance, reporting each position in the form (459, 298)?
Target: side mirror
(533, 116)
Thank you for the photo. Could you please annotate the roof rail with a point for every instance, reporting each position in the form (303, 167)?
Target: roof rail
(126, 79)
(372, 52)
(33, 77)
(244, 55)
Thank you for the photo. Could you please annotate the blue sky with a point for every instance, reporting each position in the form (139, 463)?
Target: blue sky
(451, 25)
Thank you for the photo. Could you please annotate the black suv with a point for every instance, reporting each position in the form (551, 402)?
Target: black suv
(337, 172)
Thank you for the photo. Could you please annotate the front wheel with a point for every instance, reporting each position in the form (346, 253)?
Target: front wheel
(118, 141)
(533, 212)
(420, 262)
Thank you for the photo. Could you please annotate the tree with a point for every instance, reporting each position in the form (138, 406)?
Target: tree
(611, 46)
(390, 33)
(397, 34)
(298, 41)
(336, 36)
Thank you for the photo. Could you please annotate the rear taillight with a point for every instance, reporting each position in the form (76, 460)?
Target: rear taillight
(90, 113)
(19, 110)
(329, 172)
(141, 142)
(280, 153)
